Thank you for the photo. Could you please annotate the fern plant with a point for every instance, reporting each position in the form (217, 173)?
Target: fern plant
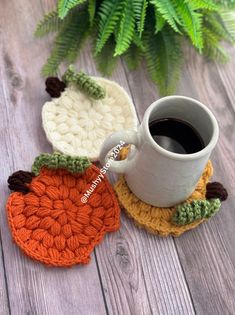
(139, 29)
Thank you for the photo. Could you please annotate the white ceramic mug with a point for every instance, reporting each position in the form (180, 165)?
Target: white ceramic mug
(155, 175)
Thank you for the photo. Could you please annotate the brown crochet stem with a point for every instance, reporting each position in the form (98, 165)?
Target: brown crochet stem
(54, 86)
(18, 181)
(216, 190)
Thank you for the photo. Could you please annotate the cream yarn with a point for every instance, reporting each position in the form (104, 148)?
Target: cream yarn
(78, 125)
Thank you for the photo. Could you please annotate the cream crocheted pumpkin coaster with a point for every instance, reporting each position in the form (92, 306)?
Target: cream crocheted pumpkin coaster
(78, 125)
(159, 220)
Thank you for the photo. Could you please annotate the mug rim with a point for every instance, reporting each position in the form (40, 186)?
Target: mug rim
(178, 156)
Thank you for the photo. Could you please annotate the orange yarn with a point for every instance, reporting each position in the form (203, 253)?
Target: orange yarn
(52, 225)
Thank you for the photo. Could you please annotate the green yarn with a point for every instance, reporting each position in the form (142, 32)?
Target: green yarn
(84, 82)
(196, 210)
(57, 160)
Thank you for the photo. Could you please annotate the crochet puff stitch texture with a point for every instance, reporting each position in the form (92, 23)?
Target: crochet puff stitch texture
(77, 125)
(154, 219)
(52, 225)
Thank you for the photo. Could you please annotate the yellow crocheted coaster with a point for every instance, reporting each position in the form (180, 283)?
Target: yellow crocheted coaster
(158, 220)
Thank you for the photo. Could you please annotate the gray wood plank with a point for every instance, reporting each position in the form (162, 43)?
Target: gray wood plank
(140, 273)
(33, 288)
(207, 253)
(4, 309)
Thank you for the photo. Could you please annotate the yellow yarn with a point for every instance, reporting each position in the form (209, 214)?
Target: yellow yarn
(158, 220)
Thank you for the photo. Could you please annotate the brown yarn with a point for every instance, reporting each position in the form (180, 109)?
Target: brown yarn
(18, 181)
(216, 190)
(54, 86)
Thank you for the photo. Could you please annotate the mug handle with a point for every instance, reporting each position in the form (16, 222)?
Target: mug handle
(127, 137)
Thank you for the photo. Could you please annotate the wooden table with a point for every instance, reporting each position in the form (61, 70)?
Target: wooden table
(131, 272)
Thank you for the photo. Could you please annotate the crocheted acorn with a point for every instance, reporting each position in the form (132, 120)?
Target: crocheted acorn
(196, 210)
(50, 223)
(84, 82)
(216, 190)
(54, 86)
(77, 125)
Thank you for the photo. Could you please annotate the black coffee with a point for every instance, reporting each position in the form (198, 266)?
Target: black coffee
(176, 135)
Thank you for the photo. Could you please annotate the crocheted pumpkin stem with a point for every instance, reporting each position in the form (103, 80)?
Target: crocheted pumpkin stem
(54, 86)
(18, 181)
(216, 190)
(57, 160)
(84, 82)
(196, 210)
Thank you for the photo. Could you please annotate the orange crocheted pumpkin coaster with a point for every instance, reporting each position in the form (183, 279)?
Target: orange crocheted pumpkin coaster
(51, 224)
(158, 220)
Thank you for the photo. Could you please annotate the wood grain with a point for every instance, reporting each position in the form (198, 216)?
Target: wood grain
(33, 288)
(131, 272)
(207, 254)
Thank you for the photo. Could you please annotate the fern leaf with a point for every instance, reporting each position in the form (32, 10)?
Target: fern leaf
(50, 23)
(65, 5)
(228, 21)
(228, 4)
(83, 27)
(64, 42)
(168, 12)
(137, 41)
(159, 21)
(105, 60)
(191, 22)
(203, 4)
(164, 59)
(214, 21)
(109, 13)
(133, 57)
(126, 29)
(140, 7)
(212, 48)
(91, 9)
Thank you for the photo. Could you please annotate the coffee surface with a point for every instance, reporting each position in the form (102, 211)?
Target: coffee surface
(176, 135)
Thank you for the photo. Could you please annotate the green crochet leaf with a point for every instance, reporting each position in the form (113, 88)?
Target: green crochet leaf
(196, 210)
(65, 5)
(84, 82)
(57, 161)
(126, 29)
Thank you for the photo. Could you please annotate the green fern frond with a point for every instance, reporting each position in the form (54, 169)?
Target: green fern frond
(212, 48)
(91, 9)
(133, 57)
(137, 41)
(191, 22)
(203, 4)
(109, 14)
(140, 7)
(50, 23)
(229, 4)
(105, 60)
(228, 21)
(126, 29)
(168, 11)
(164, 59)
(65, 5)
(64, 42)
(76, 45)
(215, 22)
(159, 21)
